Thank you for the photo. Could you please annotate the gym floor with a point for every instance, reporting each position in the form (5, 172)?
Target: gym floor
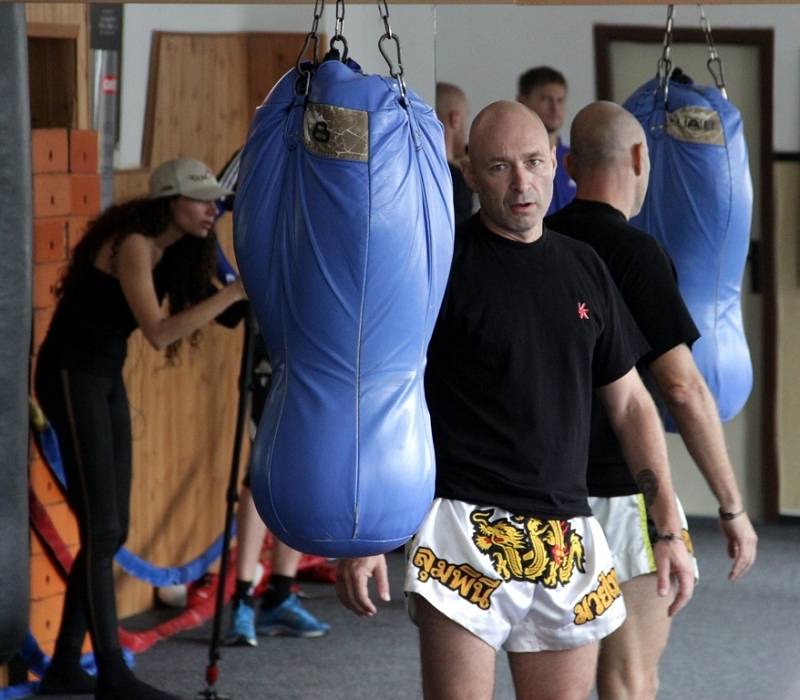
(734, 641)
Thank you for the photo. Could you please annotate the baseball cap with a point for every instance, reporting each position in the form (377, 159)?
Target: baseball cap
(186, 177)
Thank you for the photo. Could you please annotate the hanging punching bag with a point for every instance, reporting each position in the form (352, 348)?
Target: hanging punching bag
(699, 205)
(343, 236)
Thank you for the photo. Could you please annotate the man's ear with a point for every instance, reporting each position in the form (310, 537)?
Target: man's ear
(451, 119)
(637, 158)
(569, 162)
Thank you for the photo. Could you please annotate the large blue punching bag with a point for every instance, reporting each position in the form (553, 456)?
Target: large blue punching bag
(699, 205)
(344, 236)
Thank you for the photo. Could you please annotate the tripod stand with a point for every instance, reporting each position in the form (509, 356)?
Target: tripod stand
(245, 390)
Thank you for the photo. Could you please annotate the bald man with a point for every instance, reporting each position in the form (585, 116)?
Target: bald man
(452, 109)
(610, 164)
(509, 556)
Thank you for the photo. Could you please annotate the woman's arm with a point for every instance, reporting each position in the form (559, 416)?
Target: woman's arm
(135, 272)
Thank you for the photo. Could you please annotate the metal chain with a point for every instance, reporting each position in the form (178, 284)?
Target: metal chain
(665, 63)
(337, 32)
(396, 73)
(312, 40)
(339, 17)
(714, 62)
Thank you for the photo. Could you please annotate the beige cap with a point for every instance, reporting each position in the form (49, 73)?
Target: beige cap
(186, 177)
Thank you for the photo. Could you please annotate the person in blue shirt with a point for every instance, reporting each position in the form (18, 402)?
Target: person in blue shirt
(544, 90)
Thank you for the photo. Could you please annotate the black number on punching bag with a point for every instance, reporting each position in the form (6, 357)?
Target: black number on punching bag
(321, 133)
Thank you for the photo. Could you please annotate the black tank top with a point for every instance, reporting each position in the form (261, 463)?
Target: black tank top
(92, 323)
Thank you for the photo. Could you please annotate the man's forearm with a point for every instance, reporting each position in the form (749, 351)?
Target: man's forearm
(641, 437)
(701, 431)
(653, 478)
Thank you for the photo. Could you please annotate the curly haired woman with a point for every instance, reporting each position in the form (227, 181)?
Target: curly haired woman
(133, 257)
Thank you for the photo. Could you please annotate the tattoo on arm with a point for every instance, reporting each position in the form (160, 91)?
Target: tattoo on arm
(647, 482)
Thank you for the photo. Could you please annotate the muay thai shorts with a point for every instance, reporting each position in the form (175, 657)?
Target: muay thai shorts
(518, 583)
(629, 533)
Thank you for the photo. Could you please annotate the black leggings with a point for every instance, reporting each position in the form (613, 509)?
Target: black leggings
(91, 418)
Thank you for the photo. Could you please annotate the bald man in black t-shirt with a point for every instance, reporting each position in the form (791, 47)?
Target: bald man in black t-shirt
(610, 163)
(509, 555)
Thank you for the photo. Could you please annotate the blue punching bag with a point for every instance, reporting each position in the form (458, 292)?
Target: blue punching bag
(699, 205)
(344, 238)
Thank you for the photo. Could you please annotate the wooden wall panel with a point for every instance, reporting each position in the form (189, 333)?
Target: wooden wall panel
(787, 237)
(130, 183)
(51, 67)
(200, 104)
(183, 422)
(269, 57)
(61, 19)
(183, 416)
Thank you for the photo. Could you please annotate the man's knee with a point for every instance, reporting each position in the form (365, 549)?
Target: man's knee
(621, 677)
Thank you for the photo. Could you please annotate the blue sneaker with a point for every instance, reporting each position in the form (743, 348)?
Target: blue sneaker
(242, 631)
(290, 618)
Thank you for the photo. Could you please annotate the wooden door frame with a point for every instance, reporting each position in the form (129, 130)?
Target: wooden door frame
(763, 40)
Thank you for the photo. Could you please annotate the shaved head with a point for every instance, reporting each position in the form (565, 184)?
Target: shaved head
(608, 157)
(495, 120)
(449, 98)
(602, 135)
(452, 109)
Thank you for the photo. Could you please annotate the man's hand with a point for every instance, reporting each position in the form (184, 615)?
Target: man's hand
(352, 583)
(673, 561)
(742, 543)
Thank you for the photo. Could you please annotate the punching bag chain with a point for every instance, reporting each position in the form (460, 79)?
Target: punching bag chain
(714, 62)
(665, 63)
(337, 32)
(396, 73)
(312, 41)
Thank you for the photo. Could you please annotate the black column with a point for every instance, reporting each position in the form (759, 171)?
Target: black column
(16, 235)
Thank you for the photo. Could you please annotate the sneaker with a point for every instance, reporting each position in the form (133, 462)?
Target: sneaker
(242, 631)
(290, 618)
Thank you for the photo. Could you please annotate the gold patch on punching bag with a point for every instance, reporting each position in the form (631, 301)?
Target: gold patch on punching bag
(336, 132)
(696, 125)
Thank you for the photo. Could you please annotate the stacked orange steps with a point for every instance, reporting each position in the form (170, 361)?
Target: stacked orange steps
(66, 195)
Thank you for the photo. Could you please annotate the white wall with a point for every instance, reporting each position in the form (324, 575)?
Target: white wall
(484, 48)
(362, 28)
(481, 47)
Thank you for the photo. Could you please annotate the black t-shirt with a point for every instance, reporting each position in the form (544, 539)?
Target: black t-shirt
(645, 276)
(525, 332)
(92, 323)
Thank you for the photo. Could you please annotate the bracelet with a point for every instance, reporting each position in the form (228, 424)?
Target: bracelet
(725, 515)
(668, 536)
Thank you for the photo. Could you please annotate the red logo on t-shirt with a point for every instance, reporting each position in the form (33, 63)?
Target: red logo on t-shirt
(583, 311)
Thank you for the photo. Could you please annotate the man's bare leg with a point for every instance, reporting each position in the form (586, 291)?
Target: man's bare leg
(456, 665)
(554, 675)
(628, 666)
